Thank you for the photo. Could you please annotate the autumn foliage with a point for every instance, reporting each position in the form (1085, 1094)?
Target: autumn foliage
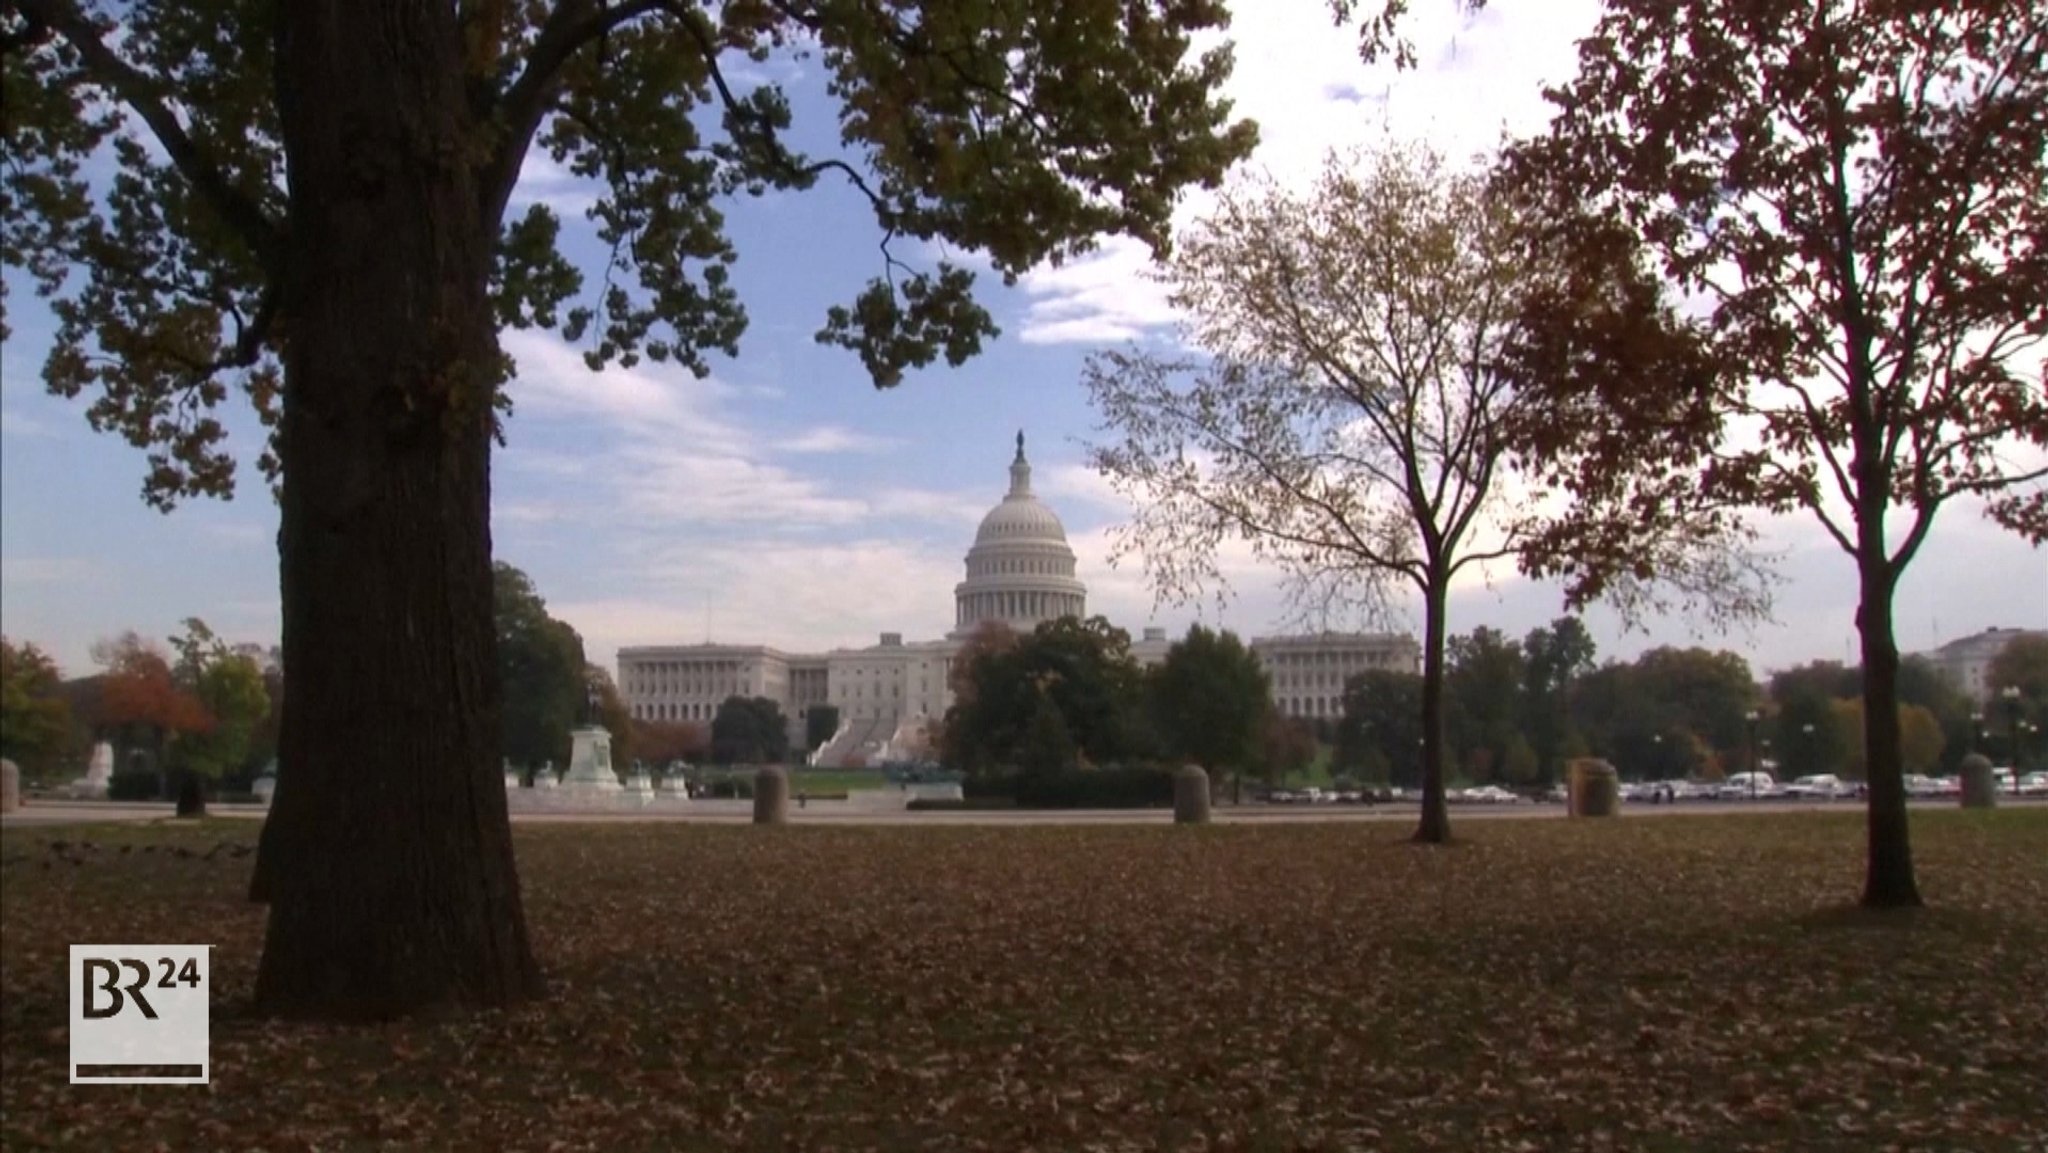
(1673, 983)
(141, 691)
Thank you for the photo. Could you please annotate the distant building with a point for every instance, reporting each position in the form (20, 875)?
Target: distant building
(1020, 571)
(1966, 661)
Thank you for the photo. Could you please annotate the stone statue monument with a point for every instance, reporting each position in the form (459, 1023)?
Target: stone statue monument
(99, 770)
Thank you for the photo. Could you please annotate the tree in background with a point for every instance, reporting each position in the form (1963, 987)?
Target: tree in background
(1920, 683)
(35, 721)
(1708, 692)
(1083, 669)
(2022, 664)
(1851, 194)
(1806, 734)
(1287, 745)
(228, 684)
(142, 705)
(312, 210)
(1554, 657)
(612, 713)
(263, 738)
(541, 669)
(1348, 415)
(1046, 747)
(1380, 734)
(1209, 700)
(1671, 712)
(1921, 737)
(665, 742)
(820, 723)
(1483, 679)
(749, 731)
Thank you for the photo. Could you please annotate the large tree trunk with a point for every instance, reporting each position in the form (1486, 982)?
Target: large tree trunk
(388, 858)
(1435, 827)
(1888, 880)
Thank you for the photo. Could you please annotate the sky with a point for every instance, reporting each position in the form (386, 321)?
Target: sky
(785, 501)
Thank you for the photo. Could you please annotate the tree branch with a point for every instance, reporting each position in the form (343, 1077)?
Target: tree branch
(571, 25)
(241, 212)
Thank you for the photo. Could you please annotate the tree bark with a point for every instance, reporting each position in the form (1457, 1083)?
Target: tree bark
(388, 858)
(1888, 881)
(1435, 826)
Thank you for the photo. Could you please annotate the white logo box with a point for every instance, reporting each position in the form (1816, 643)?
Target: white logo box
(141, 1008)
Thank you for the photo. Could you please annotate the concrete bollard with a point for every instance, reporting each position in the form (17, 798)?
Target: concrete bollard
(1980, 788)
(1594, 788)
(771, 796)
(1190, 796)
(10, 786)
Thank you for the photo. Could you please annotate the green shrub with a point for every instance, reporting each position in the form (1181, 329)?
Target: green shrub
(962, 805)
(134, 785)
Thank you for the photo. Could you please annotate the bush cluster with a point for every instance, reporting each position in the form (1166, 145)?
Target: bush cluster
(1106, 788)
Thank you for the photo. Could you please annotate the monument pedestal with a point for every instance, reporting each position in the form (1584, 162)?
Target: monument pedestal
(590, 761)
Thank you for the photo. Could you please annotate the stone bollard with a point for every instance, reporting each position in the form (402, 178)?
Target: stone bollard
(1594, 789)
(771, 796)
(1980, 788)
(10, 786)
(1190, 796)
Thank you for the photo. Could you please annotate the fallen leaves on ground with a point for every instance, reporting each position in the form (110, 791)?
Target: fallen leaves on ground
(1671, 984)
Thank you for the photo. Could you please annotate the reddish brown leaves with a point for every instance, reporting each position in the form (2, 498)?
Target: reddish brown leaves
(1545, 985)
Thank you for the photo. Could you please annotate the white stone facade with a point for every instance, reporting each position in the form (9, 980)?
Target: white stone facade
(1965, 661)
(1020, 571)
(1308, 671)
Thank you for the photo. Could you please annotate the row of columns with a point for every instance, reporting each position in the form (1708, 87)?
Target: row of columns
(976, 607)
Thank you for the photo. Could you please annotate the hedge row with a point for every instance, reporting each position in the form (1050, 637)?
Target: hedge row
(1109, 788)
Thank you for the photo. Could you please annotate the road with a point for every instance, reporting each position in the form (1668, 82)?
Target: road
(844, 813)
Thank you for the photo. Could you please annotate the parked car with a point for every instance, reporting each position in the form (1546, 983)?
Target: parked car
(1921, 785)
(1489, 795)
(1743, 786)
(2034, 785)
(1817, 787)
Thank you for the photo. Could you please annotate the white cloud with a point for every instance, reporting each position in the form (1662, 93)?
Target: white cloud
(1300, 78)
(34, 570)
(1108, 296)
(833, 439)
(675, 452)
(544, 182)
(16, 424)
(796, 596)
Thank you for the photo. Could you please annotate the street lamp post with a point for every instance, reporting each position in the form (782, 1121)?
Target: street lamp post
(1807, 729)
(2012, 730)
(1755, 765)
(1976, 730)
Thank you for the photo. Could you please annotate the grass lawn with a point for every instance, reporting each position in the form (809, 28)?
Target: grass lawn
(1651, 984)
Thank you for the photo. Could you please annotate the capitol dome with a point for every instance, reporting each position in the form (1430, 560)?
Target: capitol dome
(1020, 570)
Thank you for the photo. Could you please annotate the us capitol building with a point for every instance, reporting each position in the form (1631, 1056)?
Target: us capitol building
(1020, 572)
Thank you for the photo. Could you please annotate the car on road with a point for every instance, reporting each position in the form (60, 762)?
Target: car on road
(2034, 785)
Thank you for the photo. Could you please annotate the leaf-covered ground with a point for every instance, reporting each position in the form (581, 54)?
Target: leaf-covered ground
(1677, 984)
